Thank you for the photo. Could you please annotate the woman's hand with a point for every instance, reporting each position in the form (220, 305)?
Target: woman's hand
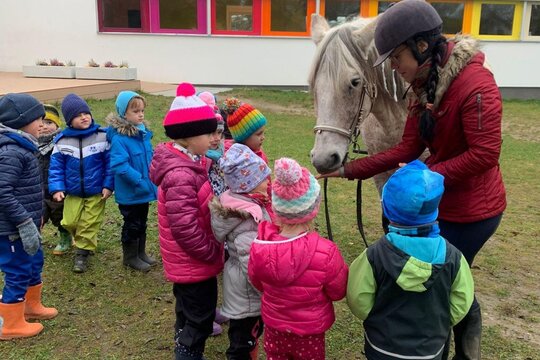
(335, 173)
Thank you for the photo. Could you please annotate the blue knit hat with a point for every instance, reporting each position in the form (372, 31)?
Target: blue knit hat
(412, 194)
(122, 101)
(19, 110)
(73, 105)
(243, 170)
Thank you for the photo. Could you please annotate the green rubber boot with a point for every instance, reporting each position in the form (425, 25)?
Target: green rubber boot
(64, 244)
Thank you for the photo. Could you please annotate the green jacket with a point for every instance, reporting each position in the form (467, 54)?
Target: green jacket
(409, 291)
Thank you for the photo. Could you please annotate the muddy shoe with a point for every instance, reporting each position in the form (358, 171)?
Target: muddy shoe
(80, 264)
(63, 245)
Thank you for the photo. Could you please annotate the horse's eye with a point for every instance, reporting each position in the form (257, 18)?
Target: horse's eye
(355, 82)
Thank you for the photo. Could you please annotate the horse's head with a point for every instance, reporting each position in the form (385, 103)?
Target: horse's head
(343, 82)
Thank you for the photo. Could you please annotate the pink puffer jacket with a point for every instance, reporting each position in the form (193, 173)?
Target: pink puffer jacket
(188, 247)
(299, 278)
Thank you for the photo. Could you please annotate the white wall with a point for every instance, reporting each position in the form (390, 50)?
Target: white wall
(67, 30)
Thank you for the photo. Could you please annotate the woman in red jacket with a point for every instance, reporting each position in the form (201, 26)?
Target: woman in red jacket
(457, 116)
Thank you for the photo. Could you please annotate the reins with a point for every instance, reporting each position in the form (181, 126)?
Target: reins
(352, 135)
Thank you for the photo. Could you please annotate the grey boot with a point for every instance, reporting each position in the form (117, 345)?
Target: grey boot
(468, 333)
(142, 252)
(131, 257)
(80, 264)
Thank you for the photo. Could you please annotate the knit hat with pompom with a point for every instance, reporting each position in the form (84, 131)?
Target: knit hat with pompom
(295, 193)
(189, 115)
(244, 122)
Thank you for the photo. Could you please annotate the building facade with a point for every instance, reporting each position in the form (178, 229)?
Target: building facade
(241, 42)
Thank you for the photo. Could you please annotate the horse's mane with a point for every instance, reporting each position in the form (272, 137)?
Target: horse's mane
(351, 46)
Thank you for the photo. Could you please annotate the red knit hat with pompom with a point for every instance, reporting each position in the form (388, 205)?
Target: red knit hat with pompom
(189, 115)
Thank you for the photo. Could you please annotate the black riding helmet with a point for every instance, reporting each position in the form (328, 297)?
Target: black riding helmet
(403, 21)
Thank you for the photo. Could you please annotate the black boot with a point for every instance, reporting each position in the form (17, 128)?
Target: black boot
(142, 252)
(131, 258)
(80, 264)
(468, 333)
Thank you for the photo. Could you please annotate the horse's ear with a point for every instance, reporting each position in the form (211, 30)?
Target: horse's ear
(319, 27)
(363, 37)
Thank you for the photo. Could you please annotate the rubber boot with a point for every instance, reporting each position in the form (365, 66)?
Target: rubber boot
(131, 256)
(64, 244)
(80, 264)
(34, 309)
(142, 252)
(468, 334)
(15, 326)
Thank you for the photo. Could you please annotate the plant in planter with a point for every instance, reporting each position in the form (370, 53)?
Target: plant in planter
(52, 69)
(109, 71)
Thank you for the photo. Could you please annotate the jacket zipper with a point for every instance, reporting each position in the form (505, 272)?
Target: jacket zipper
(81, 167)
(479, 107)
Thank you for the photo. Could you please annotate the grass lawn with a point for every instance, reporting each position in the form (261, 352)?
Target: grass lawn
(114, 313)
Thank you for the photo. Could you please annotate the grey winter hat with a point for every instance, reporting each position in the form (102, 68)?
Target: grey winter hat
(19, 110)
(402, 21)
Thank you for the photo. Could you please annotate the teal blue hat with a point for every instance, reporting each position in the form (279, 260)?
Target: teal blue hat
(412, 194)
(122, 101)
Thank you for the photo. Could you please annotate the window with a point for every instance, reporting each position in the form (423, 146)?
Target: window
(532, 22)
(452, 15)
(287, 17)
(173, 16)
(383, 5)
(125, 15)
(339, 11)
(236, 17)
(497, 20)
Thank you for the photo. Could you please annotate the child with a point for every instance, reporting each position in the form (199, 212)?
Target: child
(51, 209)
(131, 153)
(235, 218)
(298, 272)
(412, 285)
(192, 258)
(215, 174)
(80, 175)
(21, 196)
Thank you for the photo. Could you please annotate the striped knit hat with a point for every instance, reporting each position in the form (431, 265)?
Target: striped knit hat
(52, 114)
(189, 115)
(295, 193)
(244, 122)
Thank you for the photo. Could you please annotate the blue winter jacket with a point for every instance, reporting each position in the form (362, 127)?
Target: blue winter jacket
(131, 154)
(21, 194)
(81, 178)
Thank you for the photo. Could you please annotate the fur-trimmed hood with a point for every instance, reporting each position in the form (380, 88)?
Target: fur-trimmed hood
(122, 126)
(463, 48)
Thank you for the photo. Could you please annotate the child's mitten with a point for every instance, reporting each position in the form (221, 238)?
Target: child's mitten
(30, 236)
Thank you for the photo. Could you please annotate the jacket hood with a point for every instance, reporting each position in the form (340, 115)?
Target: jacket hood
(413, 262)
(9, 135)
(462, 50)
(121, 126)
(284, 259)
(167, 158)
(225, 219)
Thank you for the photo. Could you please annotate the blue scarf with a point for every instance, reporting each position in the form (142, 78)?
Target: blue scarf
(22, 140)
(71, 132)
(215, 154)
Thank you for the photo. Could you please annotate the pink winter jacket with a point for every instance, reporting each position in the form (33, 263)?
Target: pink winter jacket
(299, 278)
(189, 250)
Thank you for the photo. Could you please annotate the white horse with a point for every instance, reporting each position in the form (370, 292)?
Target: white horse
(348, 91)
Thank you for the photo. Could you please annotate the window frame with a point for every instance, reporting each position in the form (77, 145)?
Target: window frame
(516, 23)
(527, 21)
(145, 21)
(201, 20)
(467, 13)
(267, 21)
(256, 15)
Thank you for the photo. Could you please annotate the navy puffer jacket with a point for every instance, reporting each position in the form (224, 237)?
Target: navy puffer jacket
(21, 194)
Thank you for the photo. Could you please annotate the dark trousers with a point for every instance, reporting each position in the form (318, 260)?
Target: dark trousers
(469, 239)
(243, 337)
(53, 211)
(195, 311)
(135, 219)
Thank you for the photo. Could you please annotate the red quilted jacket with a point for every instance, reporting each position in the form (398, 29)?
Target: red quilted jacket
(189, 250)
(467, 139)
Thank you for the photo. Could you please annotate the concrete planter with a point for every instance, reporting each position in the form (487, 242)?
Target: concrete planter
(103, 73)
(64, 72)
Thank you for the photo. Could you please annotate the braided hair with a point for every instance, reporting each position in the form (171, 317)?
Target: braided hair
(436, 51)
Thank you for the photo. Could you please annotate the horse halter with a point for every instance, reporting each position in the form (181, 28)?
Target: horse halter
(353, 132)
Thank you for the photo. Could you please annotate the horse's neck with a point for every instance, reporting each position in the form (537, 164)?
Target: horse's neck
(391, 116)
